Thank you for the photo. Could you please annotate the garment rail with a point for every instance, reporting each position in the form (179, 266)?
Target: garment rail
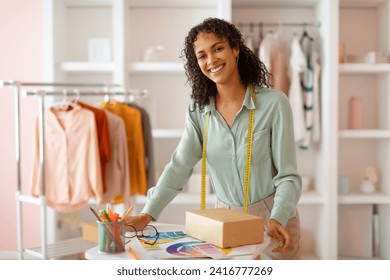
(262, 25)
(275, 24)
(66, 247)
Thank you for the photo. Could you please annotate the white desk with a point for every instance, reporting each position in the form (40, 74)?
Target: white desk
(144, 254)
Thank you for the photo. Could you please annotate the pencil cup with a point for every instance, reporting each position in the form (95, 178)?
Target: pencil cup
(110, 237)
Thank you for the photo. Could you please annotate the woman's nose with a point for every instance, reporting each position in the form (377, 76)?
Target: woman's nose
(211, 58)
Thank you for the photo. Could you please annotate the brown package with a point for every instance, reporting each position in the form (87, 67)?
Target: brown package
(225, 228)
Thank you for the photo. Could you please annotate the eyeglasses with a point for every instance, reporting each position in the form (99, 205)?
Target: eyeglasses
(149, 233)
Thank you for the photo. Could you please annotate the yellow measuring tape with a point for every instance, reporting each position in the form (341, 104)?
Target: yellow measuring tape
(251, 121)
(203, 179)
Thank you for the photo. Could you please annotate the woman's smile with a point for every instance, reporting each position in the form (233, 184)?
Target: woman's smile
(216, 69)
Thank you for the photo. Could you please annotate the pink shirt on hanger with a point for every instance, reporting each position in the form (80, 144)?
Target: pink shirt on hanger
(73, 172)
(117, 172)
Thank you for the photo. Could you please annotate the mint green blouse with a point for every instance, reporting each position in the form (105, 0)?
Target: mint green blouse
(273, 166)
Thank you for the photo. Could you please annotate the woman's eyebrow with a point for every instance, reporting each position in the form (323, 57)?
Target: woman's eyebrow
(212, 46)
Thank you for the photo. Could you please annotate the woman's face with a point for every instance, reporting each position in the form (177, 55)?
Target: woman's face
(216, 59)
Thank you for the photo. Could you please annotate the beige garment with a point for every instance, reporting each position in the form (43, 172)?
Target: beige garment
(263, 209)
(117, 171)
(279, 70)
(73, 172)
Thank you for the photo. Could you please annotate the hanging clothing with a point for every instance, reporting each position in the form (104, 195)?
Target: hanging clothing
(272, 55)
(316, 97)
(296, 67)
(307, 90)
(148, 142)
(279, 69)
(135, 144)
(103, 138)
(117, 172)
(72, 165)
(266, 50)
(249, 42)
(310, 92)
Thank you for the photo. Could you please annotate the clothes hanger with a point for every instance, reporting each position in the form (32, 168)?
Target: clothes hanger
(305, 34)
(261, 31)
(64, 104)
(107, 96)
(250, 38)
(74, 101)
(130, 97)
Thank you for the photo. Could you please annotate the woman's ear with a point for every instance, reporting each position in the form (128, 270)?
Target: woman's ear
(236, 53)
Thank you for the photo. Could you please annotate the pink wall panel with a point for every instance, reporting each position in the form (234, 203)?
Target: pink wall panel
(21, 34)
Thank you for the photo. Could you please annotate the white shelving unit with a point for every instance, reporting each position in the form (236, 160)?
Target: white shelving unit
(87, 67)
(156, 67)
(364, 68)
(317, 212)
(69, 25)
(369, 145)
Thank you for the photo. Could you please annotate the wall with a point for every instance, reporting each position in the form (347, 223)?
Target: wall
(21, 59)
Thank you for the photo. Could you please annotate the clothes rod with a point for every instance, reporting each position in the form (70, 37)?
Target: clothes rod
(268, 24)
(40, 84)
(141, 92)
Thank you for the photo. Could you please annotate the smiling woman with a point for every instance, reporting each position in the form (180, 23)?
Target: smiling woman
(224, 38)
(244, 128)
(217, 59)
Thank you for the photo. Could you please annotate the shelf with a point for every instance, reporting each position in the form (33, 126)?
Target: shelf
(87, 67)
(87, 3)
(364, 133)
(171, 4)
(359, 198)
(364, 68)
(360, 4)
(62, 248)
(311, 197)
(273, 3)
(29, 199)
(156, 67)
(167, 133)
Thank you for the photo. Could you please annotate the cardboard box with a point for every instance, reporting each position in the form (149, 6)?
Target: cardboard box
(224, 228)
(90, 232)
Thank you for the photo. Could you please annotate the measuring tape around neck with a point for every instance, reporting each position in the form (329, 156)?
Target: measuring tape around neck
(247, 162)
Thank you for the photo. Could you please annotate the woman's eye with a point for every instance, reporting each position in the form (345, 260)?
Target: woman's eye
(218, 49)
(201, 57)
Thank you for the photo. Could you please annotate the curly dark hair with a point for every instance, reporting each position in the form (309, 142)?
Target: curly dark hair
(252, 71)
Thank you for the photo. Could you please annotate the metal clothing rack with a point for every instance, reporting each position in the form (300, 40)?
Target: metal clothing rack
(276, 24)
(261, 25)
(70, 246)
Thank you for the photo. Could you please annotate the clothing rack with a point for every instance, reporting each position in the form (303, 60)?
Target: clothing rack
(66, 247)
(276, 24)
(262, 25)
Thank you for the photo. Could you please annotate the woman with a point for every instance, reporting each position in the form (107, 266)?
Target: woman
(227, 81)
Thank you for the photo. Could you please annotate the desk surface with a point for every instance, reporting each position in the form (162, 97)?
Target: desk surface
(144, 254)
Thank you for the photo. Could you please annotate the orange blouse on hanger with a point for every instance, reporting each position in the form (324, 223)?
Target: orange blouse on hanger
(103, 138)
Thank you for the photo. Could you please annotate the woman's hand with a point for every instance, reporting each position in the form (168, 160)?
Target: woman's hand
(281, 234)
(139, 222)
